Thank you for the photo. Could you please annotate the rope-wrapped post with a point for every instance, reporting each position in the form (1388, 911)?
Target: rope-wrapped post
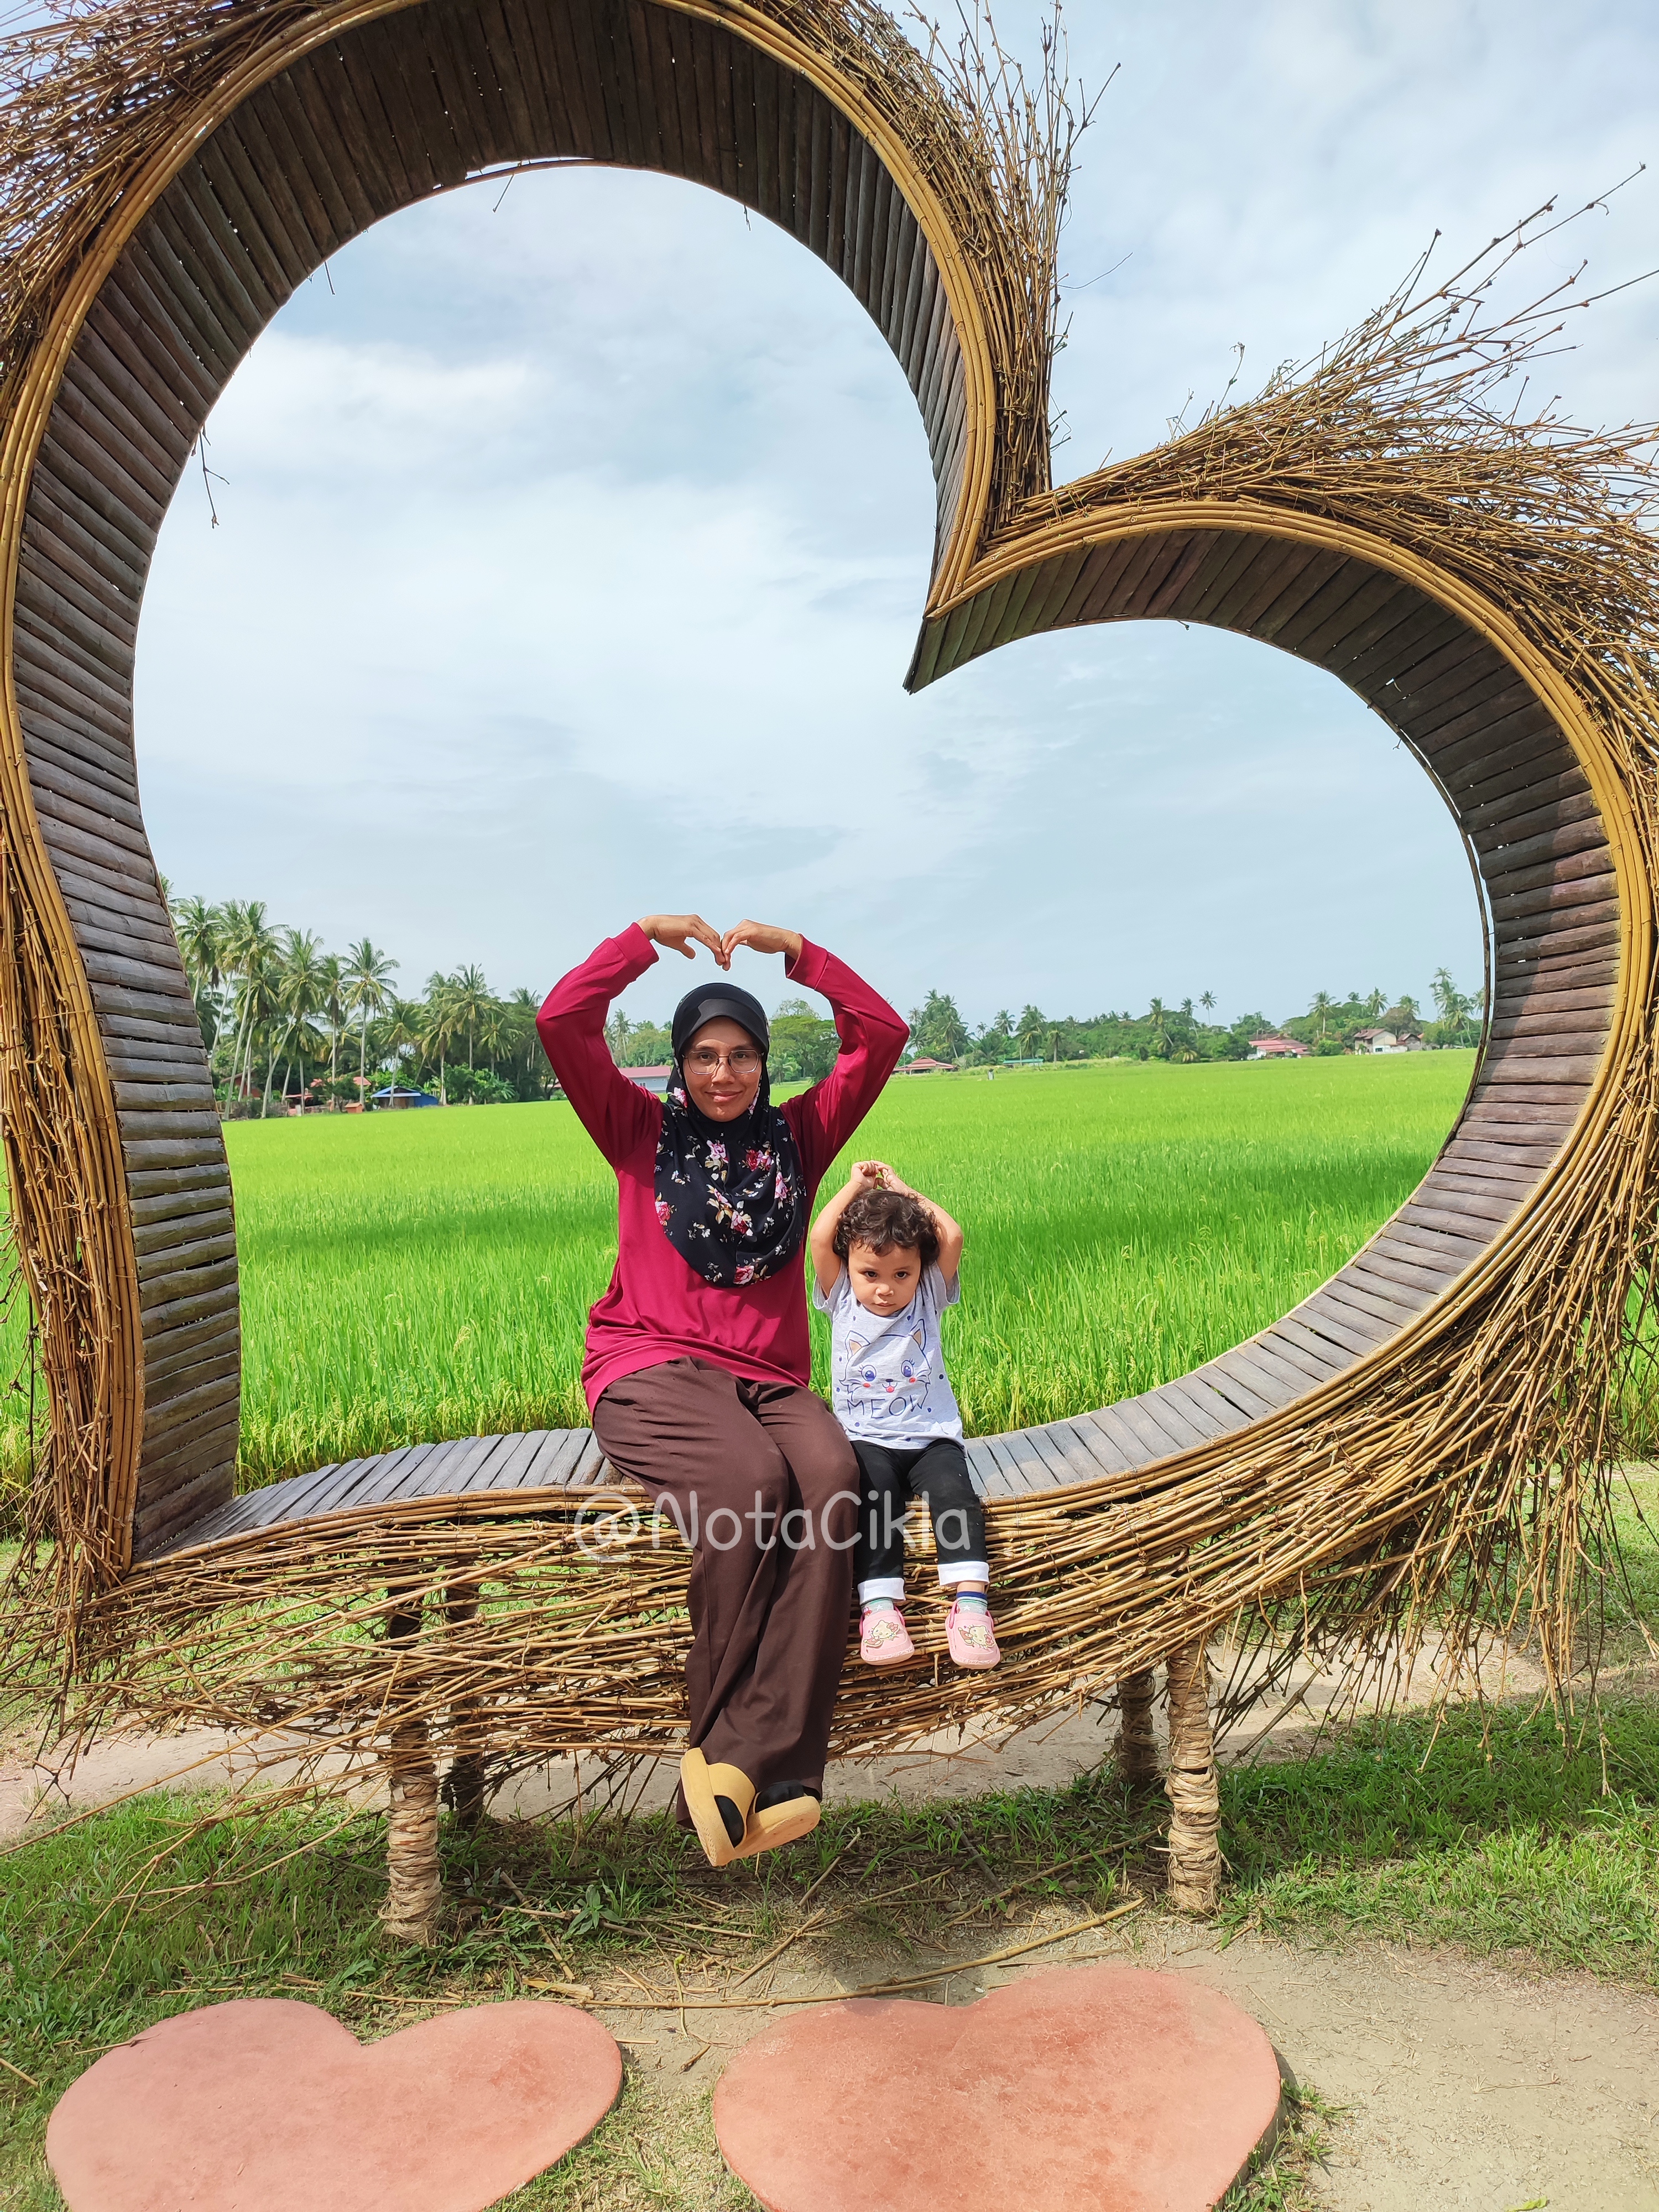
(464, 1784)
(414, 1883)
(1137, 1743)
(1194, 1798)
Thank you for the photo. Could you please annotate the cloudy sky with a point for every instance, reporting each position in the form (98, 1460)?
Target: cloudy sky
(572, 546)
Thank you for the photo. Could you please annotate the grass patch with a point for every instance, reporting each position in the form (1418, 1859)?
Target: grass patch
(1492, 1834)
(1284, 2178)
(421, 1275)
(1494, 1839)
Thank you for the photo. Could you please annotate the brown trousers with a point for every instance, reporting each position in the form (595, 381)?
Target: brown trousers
(762, 1481)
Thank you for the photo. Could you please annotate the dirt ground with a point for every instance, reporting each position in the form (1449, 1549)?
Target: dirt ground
(1462, 2085)
(1464, 2088)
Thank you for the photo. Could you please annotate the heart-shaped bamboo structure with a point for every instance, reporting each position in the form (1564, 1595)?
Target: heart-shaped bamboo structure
(1429, 1431)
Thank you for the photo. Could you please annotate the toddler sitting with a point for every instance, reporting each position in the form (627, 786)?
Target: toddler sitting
(886, 1261)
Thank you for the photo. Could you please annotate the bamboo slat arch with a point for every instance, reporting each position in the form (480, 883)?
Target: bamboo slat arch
(1436, 1411)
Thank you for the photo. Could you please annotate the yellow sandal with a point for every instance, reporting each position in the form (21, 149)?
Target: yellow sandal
(707, 1789)
(774, 1825)
(703, 1787)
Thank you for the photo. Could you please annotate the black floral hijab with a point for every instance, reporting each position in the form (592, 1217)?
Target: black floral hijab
(730, 1195)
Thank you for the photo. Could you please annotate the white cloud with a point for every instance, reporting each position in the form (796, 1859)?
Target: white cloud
(573, 550)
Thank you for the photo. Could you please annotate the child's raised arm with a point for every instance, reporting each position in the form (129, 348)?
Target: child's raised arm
(877, 1176)
(826, 1261)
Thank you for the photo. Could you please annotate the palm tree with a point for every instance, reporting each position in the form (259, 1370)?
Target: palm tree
(496, 1027)
(469, 998)
(249, 954)
(1320, 1008)
(198, 927)
(520, 1042)
(1157, 1016)
(367, 976)
(1207, 999)
(333, 1009)
(442, 1024)
(405, 1026)
(298, 993)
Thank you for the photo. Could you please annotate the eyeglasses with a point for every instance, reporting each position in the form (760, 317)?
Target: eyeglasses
(742, 1061)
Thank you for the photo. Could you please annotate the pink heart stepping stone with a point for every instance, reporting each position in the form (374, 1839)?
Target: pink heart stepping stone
(268, 2106)
(1086, 2089)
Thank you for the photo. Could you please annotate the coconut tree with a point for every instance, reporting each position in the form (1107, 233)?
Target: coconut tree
(468, 998)
(199, 930)
(297, 990)
(367, 993)
(249, 954)
(496, 1031)
(442, 1022)
(405, 1026)
(331, 1004)
(518, 1043)
(1320, 1007)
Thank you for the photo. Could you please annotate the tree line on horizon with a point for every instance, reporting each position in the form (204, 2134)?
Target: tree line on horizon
(286, 1022)
(1183, 1032)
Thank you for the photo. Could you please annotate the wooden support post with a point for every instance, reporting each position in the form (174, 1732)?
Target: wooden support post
(464, 1784)
(1194, 1799)
(414, 1883)
(1137, 1745)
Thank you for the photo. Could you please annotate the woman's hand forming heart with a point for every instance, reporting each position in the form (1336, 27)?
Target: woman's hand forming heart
(761, 937)
(674, 930)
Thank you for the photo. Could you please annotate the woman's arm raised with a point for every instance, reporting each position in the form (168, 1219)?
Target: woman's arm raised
(872, 1036)
(616, 1113)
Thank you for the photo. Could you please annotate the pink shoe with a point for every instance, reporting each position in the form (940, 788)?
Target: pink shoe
(883, 1640)
(972, 1637)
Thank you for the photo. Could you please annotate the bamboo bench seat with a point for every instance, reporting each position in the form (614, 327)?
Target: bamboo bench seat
(1352, 1314)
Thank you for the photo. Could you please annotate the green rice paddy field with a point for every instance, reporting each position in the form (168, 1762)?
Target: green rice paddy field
(407, 1276)
(416, 1275)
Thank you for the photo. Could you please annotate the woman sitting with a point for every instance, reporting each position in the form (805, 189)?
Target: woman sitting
(698, 1360)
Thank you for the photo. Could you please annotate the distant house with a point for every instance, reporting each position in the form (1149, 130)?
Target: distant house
(394, 1096)
(928, 1068)
(1277, 1047)
(1388, 1041)
(650, 1078)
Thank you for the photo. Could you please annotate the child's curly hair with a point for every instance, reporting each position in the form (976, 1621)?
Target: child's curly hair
(885, 1219)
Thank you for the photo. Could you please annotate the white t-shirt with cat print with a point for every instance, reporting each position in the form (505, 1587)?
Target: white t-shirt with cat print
(887, 1379)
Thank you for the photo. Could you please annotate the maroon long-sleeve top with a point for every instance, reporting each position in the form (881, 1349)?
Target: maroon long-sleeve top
(658, 1308)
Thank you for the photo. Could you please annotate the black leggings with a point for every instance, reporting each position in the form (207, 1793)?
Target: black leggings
(936, 1473)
